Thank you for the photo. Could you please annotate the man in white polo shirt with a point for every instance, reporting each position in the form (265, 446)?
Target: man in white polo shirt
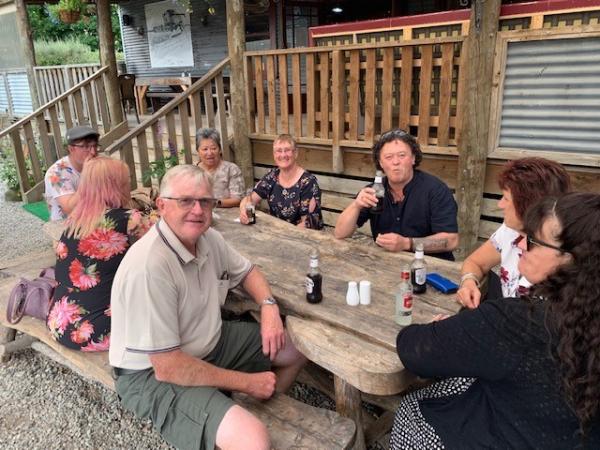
(171, 351)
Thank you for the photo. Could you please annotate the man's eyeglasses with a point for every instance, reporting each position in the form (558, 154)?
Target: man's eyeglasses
(531, 241)
(187, 203)
(87, 147)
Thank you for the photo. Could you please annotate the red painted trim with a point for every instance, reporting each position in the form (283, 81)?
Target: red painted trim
(446, 16)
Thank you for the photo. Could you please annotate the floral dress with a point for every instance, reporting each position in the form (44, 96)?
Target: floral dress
(291, 204)
(79, 316)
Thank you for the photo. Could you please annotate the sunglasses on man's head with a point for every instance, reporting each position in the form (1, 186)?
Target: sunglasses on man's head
(531, 241)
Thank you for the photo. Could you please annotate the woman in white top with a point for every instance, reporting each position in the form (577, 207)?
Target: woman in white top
(523, 182)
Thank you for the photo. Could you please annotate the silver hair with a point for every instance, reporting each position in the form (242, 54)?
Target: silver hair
(182, 171)
(208, 133)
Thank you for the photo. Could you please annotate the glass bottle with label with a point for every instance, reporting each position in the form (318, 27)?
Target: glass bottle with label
(379, 192)
(314, 279)
(250, 209)
(404, 299)
(418, 271)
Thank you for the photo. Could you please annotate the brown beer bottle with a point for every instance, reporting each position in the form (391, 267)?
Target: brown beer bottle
(314, 280)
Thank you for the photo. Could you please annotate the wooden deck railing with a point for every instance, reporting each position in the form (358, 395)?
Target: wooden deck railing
(53, 81)
(37, 138)
(345, 96)
(199, 102)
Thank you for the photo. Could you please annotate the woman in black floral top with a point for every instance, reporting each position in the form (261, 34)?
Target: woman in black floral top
(99, 231)
(292, 193)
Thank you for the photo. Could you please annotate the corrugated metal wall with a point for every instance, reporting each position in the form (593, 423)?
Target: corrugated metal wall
(209, 42)
(15, 98)
(551, 98)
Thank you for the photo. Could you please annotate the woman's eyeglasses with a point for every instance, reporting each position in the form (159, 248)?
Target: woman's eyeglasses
(531, 241)
(187, 203)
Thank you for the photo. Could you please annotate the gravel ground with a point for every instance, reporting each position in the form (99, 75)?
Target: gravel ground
(44, 405)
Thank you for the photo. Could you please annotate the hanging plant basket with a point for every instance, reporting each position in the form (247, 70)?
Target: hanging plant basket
(69, 16)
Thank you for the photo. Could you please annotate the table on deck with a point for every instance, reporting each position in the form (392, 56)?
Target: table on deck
(143, 83)
(355, 343)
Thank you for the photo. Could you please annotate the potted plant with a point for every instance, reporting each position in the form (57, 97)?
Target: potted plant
(69, 11)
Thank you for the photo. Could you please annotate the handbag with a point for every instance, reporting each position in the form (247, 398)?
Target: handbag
(31, 297)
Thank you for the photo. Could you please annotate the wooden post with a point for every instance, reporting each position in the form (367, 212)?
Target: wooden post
(237, 44)
(107, 58)
(473, 142)
(348, 404)
(25, 36)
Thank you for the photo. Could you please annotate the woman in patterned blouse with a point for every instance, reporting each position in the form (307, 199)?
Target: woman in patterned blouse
(292, 193)
(99, 231)
(228, 183)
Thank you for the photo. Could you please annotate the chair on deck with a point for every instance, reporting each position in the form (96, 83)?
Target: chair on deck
(127, 88)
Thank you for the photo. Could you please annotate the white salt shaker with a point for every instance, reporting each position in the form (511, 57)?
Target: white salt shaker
(365, 292)
(352, 297)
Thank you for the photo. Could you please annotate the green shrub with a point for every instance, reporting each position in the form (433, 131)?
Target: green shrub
(8, 166)
(69, 51)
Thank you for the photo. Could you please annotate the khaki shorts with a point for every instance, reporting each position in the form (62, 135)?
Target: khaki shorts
(189, 417)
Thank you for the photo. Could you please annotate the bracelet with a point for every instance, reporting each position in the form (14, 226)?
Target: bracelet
(469, 276)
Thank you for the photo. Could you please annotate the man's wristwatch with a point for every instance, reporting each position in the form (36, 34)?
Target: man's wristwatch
(269, 301)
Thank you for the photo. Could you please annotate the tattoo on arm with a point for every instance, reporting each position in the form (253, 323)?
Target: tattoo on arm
(432, 245)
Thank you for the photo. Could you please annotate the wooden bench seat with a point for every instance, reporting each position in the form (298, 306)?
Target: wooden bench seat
(291, 424)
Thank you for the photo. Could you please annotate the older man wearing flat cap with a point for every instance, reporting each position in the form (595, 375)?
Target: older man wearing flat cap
(62, 178)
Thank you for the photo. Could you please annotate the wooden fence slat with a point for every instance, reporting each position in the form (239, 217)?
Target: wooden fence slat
(209, 105)
(48, 151)
(311, 92)
(56, 135)
(271, 99)
(353, 95)
(425, 94)
(297, 95)
(222, 117)
(250, 97)
(443, 128)
(157, 141)
(387, 89)
(91, 107)
(142, 148)
(66, 110)
(196, 102)
(15, 136)
(78, 101)
(38, 174)
(338, 108)
(172, 132)
(283, 94)
(185, 132)
(260, 93)
(370, 95)
(406, 75)
(102, 105)
(324, 88)
(460, 91)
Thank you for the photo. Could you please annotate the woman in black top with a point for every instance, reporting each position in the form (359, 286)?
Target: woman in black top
(531, 368)
(293, 194)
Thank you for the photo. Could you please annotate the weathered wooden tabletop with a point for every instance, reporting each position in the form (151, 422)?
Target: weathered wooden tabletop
(282, 252)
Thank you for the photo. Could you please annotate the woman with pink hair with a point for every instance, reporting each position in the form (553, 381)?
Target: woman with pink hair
(99, 231)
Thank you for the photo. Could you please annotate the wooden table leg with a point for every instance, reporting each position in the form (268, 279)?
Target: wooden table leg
(348, 404)
(7, 335)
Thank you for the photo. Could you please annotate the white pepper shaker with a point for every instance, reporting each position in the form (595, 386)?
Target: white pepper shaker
(352, 297)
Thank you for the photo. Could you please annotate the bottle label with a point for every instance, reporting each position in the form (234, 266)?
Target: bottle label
(314, 262)
(407, 301)
(310, 285)
(420, 276)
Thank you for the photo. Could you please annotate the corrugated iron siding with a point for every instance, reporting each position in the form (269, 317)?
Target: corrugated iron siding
(19, 94)
(209, 42)
(551, 98)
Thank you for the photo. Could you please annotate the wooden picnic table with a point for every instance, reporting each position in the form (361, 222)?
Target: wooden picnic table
(143, 83)
(356, 343)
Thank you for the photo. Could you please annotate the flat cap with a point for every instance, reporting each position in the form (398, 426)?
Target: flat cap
(81, 132)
